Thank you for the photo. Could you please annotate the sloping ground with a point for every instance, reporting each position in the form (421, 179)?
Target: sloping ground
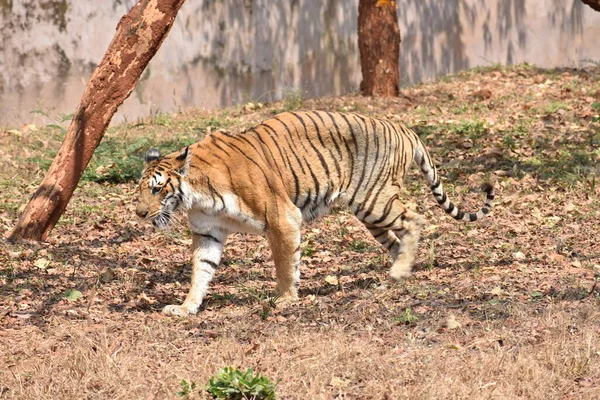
(508, 308)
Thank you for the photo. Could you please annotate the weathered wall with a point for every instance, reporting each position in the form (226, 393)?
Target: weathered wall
(229, 51)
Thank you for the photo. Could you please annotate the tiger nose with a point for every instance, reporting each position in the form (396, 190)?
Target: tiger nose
(141, 212)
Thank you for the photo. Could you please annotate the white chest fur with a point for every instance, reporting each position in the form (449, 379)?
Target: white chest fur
(225, 213)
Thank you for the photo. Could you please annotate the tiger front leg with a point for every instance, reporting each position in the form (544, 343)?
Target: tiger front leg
(206, 255)
(284, 240)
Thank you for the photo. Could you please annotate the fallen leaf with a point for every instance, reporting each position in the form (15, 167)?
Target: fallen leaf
(332, 280)
(452, 323)
(72, 294)
(42, 263)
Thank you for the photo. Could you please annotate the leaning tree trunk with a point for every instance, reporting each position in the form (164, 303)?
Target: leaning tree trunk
(595, 4)
(139, 35)
(379, 45)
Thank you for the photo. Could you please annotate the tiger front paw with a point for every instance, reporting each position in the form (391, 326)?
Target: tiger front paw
(179, 311)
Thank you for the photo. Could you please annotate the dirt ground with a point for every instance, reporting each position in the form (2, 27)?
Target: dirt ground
(506, 308)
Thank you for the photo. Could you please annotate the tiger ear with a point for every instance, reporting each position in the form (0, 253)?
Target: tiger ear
(182, 158)
(183, 155)
(152, 155)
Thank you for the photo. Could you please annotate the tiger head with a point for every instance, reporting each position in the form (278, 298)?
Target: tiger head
(160, 192)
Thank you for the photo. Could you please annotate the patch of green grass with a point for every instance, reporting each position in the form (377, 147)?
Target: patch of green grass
(567, 166)
(119, 159)
(471, 129)
(359, 246)
(554, 106)
(232, 384)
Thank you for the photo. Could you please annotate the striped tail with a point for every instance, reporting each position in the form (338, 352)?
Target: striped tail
(423, 160)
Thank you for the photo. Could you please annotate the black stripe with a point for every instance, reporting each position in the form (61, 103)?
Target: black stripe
(390, 246)
(209, 237)
(335, 161)
(289, 139)
(291, 136)
(388, 226)
(213, 190)
(364, 169)
(240, 151)
(473, 217)
(385, 169)
(213, 137)
(307, 201)
(335, 143)
(442, 199)
(383, 232)
(212, 264)
(266, 219)
(450, 208)
(265, 146)
(284, 156)
(386, 210)
(353, 136)
(346, 145)
(323, 163)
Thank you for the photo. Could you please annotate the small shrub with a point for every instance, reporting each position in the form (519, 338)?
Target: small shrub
(292, 99)
(232, 384)
(407, 317)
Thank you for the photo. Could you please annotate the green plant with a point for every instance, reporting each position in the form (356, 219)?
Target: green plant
(471, 129)
(232, 384)
(308, 249)
(431, 262)
(292, 99)
(186, 388)
(407, 317)
(359, 246)
(59, 120)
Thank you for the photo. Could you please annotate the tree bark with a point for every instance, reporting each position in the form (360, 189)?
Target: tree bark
(379, 46)
(139, 36)
(595, 4)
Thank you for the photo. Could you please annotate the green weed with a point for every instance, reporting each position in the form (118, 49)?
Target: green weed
(186, 388)
(359, 246)
(232, 384)
(407, 317)
(292, 99)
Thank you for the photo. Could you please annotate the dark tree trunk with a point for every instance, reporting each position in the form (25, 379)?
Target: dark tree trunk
(379, 45)
(139, 35)
(595, 4)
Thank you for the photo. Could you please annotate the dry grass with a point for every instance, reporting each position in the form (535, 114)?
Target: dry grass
(505, 309)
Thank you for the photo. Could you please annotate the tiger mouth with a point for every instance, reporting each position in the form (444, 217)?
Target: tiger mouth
(162, 220)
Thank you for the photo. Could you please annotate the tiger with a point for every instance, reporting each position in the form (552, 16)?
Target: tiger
(290, 169)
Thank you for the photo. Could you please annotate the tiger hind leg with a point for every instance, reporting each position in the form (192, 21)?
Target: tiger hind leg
(408, 236)
(399, 233)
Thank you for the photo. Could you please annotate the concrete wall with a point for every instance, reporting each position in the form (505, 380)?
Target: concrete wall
(221, 52)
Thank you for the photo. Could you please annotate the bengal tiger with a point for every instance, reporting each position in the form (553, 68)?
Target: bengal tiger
(291, 168)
